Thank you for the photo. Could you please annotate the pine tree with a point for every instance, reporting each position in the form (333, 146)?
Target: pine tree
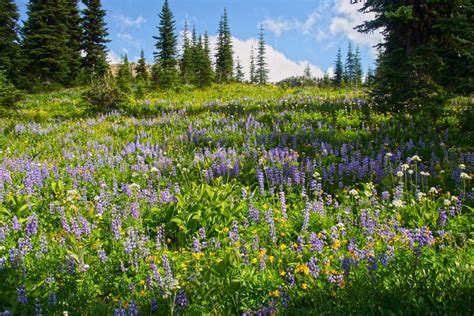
(253, 78)
(357, 69)
(338, 70)
(186, 61)
(206, 74)
(74, 46)
(224, 54)
(426, 54)
(307, 72)
(165, 56)
(349, 66)
(124, 76)
(239, 72)
(141, 70)
(95, 38)
(9, 47)
(45, 39)
(262, 70)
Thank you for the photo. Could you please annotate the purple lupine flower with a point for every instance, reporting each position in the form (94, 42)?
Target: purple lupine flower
(335, 278)
(31, 225)
(244, 253)
(300, 245)
(22, 297)
(281, 194)
(306, 217)
(316, 243)
(52, 299)
(15, 224)
(120, 312)
(442, 217)
(153, 305)
(271, 224)
(196, 245)
(166, 266)
(38, 309)
(156, 274)
(290, 277)
(385, 196)
(160, 237)
(313, 267)
(234, 233)
(254, 213)
(181, 299)
(255, 242)
(132, 308)
(134, 210)
(202, 233)
(260, 178)
(102, 255)
(116, 227)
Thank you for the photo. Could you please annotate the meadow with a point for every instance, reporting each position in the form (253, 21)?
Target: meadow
(235, 200)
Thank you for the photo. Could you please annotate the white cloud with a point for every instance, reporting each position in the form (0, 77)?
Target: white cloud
(129, 39)
(126, 21)
(280, 66)
(348, 18)
(113, 58)
(279, 26)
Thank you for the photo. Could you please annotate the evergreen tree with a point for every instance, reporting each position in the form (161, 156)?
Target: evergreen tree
(45, 39)
(206, 74)
(124, 76)
(94, 38)
(224, 54)
(9, 47)
(338, 70)
(166, 42)
(74, 46)
(426, 54)
(141, 70)
(186, 61)
(262, 70)
(357, 69)
(253, 77)
(239, 72)
(307, 72)
(349, 70)
(370, 77)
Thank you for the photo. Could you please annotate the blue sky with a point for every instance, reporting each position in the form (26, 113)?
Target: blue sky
(298, 32)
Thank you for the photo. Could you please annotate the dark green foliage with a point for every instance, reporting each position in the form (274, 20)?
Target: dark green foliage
(262, 70)
(239, 72)
(224, 54)
(74, 43)
(9, 95)
(9, 48)
(103, 94)
(44, 45)
(253, 78)
(357, 80)
(349, 70)
(427, 54)
(165, 75)
(338, 70)
(124, 76)
(203, 74)
(142, 70)
(95, 38)
(186, 63)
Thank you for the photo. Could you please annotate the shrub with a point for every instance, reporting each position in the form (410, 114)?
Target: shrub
(9, 94)
(103, 94)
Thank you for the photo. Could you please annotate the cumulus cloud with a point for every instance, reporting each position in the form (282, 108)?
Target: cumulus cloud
(280, 66)
(349, 17)
(113, 58)
(126, 22)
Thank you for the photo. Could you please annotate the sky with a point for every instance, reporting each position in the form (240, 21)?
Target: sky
(297, 32)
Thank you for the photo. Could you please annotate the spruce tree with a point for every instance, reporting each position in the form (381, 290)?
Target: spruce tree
(206, 74)
(357, 69)
(253, 78)
(124, 76)
(239, 72)
(74, 46)
(349, 66)
(9, 47)
(307, 72)
(95, 38)
(262, 70)
(224, 54)
(141, 70)
(186, 61)
(338, 70)
(45, 41)
(165, 56)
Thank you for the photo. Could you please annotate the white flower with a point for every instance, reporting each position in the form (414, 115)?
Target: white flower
(462, 166)
(465, 176)
(454, 198)
(353, 192)
(416, 158)
(433, 190)
(154, 169)
(398, 203)
(447, 202)
(399, 174)
(420, 196)
(426, 174)
(405, 167)
(388, 155)
(410, 171)
(442, 172)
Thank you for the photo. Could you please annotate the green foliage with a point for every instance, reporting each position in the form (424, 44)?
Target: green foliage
(224, 51)
(239, 72)
(338, 70)
(9, 47)
(74, 44)
(95, 39)
(9, 95)
(252, 77)
(104, 94)
(124, 76)
(141, 69)
(261, 72)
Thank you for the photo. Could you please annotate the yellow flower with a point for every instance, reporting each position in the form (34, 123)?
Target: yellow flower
(282, 273)
(304, 286)
(271, 259)
(262, 252)
(225, 230)
(275, 293)
(337, 244)
(197, 255)
(302, 268)
(283, 247)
